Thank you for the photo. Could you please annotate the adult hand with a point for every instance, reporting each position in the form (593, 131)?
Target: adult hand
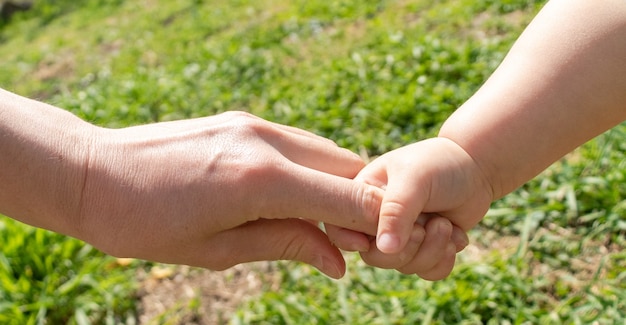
(222, 190)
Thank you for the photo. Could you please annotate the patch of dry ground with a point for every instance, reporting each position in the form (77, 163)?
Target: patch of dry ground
(185, 295)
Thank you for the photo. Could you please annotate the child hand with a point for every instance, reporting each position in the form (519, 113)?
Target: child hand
(434, 176)
(430, 251)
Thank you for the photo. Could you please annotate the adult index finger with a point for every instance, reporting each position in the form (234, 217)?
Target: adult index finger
(306, 193)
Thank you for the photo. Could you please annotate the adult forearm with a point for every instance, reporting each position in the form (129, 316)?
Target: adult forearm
(563, 83)
(43, 152)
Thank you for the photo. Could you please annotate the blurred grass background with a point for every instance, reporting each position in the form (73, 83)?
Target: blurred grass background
(373, 76)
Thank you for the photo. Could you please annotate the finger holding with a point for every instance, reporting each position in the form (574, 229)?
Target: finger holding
(402, 204)
(459, 237)
(374, 173)
(435, 247)
(346, 239)
(269, 240)
(299, 192)
(441, 270)
(375, 257)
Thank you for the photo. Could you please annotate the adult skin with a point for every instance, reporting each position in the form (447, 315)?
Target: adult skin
(210, 192)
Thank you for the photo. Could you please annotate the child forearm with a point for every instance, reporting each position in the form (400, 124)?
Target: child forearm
(562, 83)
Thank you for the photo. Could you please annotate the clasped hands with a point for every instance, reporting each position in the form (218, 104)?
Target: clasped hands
(233, 188)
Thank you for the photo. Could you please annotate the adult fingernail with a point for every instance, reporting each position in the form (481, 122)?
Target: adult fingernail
(360, 247)
(328, 267)
(388, 243)
(356, 246)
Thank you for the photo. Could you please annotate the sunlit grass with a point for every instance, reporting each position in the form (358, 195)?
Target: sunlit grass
(373, 76)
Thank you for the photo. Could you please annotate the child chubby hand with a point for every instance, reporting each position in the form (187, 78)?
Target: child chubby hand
(430, 251)
(433, 177)
(562, 83)
(433, 194)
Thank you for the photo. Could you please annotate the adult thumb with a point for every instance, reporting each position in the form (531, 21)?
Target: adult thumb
(270, 240)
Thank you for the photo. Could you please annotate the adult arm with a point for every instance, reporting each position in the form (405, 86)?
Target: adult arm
(210, 192)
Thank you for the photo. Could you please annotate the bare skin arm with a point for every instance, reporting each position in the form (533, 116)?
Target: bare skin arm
(43, 151)
(563, 83)
(210, 192)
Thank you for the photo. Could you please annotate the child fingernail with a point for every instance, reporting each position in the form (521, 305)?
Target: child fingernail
(387, 243)
(445, 228)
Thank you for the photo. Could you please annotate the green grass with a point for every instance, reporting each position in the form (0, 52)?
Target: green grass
(45, 276)
(372, 76)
